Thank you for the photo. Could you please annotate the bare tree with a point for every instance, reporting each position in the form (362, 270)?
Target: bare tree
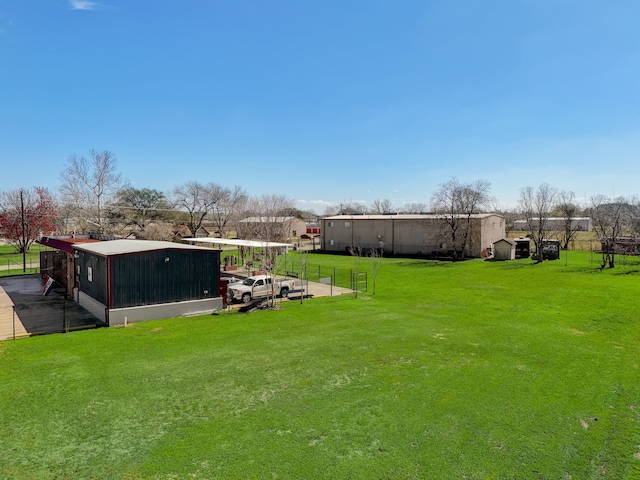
(226, 205)
(608, 222)
(270, 224)
(376, 263)
(567, 209)
(456, 203)
(194, 199)
(304, 260)
(331, 210)
(356, 252)
(381, 207)
(352, 207)
(88, 185)
(211, 201)
(634, 216)
(536, 205)
(414, 208)
(66, 220)
(510, 216)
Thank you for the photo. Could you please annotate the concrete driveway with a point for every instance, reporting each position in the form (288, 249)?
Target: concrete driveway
(24, 311)
(311, 289)
(316, 290)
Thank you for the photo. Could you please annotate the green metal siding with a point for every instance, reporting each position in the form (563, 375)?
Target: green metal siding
(95, 284)
(163, 276)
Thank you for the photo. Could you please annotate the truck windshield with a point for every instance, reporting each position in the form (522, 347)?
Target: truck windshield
(248, 282)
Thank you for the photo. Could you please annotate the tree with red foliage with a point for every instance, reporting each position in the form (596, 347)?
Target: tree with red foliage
(25, 214)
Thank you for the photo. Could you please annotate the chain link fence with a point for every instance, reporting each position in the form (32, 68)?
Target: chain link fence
(338, 277)
(9, 267)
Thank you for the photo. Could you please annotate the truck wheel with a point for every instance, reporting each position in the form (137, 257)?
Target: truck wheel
(246, 297)
(284, 291)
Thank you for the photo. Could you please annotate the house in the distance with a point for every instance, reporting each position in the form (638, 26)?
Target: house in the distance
(274, 229)
(183, 231)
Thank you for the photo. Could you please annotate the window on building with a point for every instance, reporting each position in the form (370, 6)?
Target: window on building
(347, 224)
(330, 242)
(330, 224)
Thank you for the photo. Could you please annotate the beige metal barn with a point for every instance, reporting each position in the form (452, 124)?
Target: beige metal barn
(424, 234)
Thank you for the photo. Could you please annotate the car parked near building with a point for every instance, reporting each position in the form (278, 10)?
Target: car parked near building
(258, 286)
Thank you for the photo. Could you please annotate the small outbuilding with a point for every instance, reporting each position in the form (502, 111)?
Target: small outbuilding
(523, 247)
(504, 249)
(550, 249)
(124, 281)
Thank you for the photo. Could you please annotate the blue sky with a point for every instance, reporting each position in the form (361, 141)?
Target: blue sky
(325, 101)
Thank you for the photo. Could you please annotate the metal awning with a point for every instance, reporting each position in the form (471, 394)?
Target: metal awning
(239, 243)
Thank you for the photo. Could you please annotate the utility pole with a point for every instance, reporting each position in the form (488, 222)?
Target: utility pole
(24, 241)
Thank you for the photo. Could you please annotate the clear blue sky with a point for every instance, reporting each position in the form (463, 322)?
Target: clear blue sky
(325, 100)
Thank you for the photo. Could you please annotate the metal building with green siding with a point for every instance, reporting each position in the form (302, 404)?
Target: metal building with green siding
(133, 280)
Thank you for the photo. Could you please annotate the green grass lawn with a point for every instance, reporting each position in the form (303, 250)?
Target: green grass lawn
(471, 370)
(11, 263)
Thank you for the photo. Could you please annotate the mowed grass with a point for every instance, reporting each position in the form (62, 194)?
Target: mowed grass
(471, 370)
(11, 263)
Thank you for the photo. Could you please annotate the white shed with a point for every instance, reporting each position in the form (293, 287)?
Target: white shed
(504, 249)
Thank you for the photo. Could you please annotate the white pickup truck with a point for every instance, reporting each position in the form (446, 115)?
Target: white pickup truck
(258, 286)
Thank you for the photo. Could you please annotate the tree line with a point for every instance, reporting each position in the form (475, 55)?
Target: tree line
(93, 197)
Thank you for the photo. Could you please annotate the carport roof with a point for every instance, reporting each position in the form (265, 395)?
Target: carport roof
(119, 247)
(239, 243)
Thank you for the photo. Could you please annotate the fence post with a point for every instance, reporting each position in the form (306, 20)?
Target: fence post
(65, 324)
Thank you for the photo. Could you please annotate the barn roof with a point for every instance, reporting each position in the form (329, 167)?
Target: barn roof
(119, 247)
(267, 219)
(407, 216)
